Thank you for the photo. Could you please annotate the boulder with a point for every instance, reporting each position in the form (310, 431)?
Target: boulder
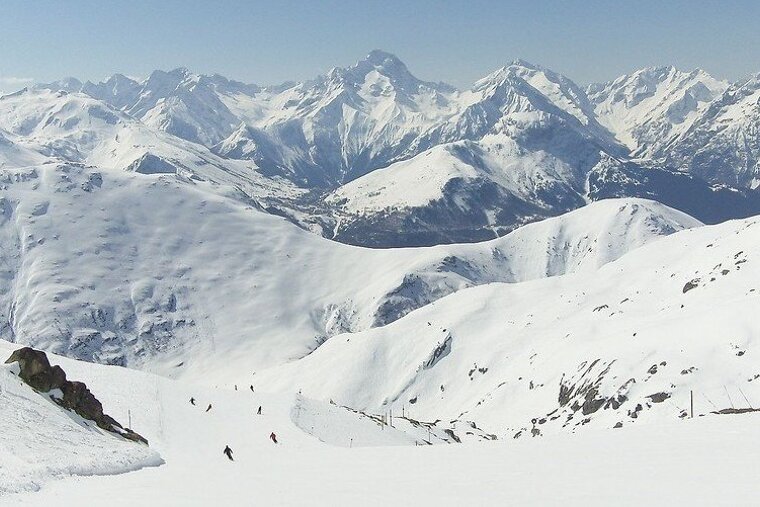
(36, 370)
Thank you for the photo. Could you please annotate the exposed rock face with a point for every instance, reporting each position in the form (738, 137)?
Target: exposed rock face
(35, 370)
(659, 397)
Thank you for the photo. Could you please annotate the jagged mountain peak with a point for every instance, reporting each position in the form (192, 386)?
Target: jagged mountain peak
(663, 71)
(118, 90)
(180, 72)
(173, 77)
(656, 69)
(535, 75)
(752, 82)
(382, 59)
(67, 84)
(387, 66)
(659, 72)
(118, 80)
(521, 62)
(525, 86)
(384, 63)
(649, 107)
(721, 143)
(641, 83)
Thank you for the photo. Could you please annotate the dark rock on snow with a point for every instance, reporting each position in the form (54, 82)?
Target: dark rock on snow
(36, 371)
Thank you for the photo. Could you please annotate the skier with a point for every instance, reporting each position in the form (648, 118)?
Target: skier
(259, 411)
(235, 387)
(252, 389)
(228, 452)
(273, 437)
(209, 407)
(192, 401)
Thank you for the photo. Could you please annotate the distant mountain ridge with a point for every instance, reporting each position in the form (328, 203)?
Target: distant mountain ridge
(370, 155)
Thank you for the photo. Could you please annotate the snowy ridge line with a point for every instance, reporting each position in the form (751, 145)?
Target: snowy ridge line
(140, 270)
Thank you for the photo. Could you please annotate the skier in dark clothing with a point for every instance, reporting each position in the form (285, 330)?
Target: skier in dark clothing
(209, 407)
(192, 401)
(259, 411)
(228, 452)
(252, 389)
(273, 437)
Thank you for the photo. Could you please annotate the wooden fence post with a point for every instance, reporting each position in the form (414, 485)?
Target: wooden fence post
(691, 402)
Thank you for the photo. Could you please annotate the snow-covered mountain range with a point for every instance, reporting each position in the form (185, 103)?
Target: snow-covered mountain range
(371, 155)
(146, 222)
(545, 258)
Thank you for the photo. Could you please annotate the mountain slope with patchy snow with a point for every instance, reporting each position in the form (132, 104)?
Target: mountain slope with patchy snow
(618, 346)
(651, 106)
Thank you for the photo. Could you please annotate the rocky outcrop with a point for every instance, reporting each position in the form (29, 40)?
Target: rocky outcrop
(36, 371)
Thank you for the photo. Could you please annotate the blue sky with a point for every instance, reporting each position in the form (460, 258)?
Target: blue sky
(454, 41)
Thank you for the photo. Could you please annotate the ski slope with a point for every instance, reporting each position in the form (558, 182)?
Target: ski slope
(704, 461)
(43, 443)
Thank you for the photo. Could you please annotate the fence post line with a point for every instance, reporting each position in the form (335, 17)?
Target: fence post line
(729, 396)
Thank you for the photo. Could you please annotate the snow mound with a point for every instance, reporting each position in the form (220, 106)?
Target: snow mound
(42, 442)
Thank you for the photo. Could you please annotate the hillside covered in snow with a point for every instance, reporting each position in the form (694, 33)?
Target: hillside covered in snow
(612, 347)
(151, 271)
